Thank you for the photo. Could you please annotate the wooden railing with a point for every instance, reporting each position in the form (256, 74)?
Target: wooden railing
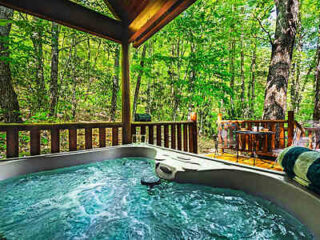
(182, 135)
(12, 135)
(283, 134)
(312, 134)
(174, 135)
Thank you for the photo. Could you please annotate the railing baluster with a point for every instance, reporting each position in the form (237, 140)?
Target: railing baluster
(243, 138)
(72, 139)
(265, 140)
(281, 136)
(273, 136)
(185, 137)
(159, 135)
(115, 136)
(143, 133)
(55, 140)
(166, 135)
(248, 137)
(12, 142)
(34, 141)
(151, 134)
(88, 138)
(173, 136)
(179, 136)
(102, 137)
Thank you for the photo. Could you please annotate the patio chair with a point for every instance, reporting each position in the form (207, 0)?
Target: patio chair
(228, 136)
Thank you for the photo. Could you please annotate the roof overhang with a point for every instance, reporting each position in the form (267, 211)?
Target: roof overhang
(137, 20)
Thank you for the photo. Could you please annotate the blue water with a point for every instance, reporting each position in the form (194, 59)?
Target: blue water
(106, 201)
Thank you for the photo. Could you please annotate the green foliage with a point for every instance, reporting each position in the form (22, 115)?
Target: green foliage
(193, 63)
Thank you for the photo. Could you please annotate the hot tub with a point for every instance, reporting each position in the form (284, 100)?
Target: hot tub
(189, 168)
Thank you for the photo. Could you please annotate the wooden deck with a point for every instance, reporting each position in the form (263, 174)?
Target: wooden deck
(247, 160)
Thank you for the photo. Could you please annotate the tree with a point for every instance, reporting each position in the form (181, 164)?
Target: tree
(37, 39)
(275, 104)
(115, 83)
(136, 93)
(8, 97)
(316, 111)
(54, 68)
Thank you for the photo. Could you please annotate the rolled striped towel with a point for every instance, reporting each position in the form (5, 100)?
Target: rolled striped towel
(303, 165)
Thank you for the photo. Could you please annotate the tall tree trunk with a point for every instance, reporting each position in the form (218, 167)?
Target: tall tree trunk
(136, 93)
(115, 83)
(54, 69)
(251, 88)
(275, 105)
(316, 112)
(296, 68)
(8, 98)
(148, 91)
(232, 80)
(74, 78)
(36, 37)
(243, 104)
(232, 68)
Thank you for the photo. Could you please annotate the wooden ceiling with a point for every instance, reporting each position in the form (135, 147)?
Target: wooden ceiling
(146, 17)
(140, 19)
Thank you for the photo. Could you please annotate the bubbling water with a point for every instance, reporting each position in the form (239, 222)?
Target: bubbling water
(107, 201)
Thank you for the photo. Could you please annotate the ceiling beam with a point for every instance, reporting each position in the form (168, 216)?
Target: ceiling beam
(148, 23)
(72, 15)
(125, 10)
(158, 23)
(117, 9)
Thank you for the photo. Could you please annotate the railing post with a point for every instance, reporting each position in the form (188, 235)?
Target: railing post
(126, 109)
(34, 141)
(12, 142)
(55, 140)
(159, 135)
(193, 134)
(72, 139)
(166, 136)
(179, 137)
(115, 136)
(195, 137)
(173, 136)
(290, 127)
(102, 137)
(88, 138)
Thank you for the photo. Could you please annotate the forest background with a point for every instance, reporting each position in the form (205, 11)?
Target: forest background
(214, 58)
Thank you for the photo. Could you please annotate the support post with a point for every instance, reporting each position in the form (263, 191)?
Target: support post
(126, 107)
(290, 127)
(194, 133)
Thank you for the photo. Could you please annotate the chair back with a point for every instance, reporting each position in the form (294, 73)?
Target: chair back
(299, 138)
(227, 133)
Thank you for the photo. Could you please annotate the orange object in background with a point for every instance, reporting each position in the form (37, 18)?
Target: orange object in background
(193, 116)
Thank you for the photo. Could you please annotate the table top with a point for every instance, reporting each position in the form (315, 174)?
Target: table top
(253, 132)
(312, 128)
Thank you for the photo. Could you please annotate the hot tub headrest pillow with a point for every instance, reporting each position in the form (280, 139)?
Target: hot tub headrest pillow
(303, 165)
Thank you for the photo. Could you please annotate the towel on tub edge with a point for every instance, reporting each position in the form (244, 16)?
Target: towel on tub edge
(303, 165)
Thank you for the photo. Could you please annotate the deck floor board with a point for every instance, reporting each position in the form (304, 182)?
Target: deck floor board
(267, 164)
